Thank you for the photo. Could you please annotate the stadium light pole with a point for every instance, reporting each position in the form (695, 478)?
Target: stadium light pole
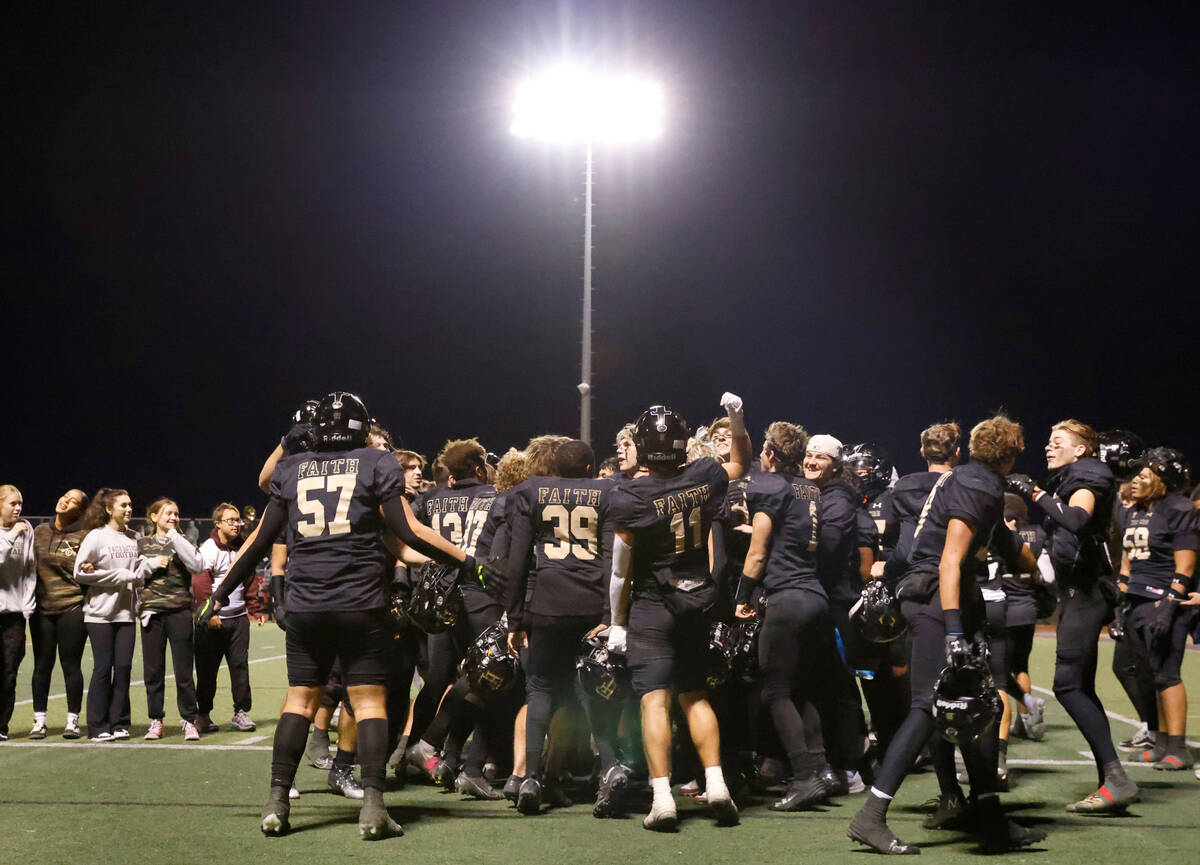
(568, 105)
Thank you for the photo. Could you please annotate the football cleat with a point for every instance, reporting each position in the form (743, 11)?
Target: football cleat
(613, 783)
(1106, 800)
(802, 794)
(476, 788)
(341, 780)
(274, 821)
(879, 837)
(529, 798)
(512, 787)
(374, 823)
(1001, 835)
(950, 812)
(1174, 762)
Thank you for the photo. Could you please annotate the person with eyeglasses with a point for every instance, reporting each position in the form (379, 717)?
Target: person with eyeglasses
(227, 635)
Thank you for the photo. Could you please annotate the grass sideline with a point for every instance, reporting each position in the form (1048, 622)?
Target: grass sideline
(73, 802)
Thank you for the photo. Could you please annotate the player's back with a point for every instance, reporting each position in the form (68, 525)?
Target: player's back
(337, 560)
(458, 513)
(670, 519)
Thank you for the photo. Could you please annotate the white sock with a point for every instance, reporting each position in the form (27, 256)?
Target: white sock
(663, 800)
(39, 717)
(714, 783)
(72, 717)
(875, 791)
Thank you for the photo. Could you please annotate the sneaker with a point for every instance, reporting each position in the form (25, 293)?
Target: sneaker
(664, 819)
(1035, 720)
(512, 787)
(444, 775)
(854, 782)
(71, 731)
(342, 781)
(476, 788)
(1105, 801)
(423, 758)
(949, 814)
(38, 731)
(1143, 737)
(608, 793)
(293, 793)
(723, 808)
(3, 737)
(120, 733)
(190, 733)
(1175, 762)
(156, 729)
(275, 814)
(374, 823)
(205, 724)
(529, 798)
(241, 722)
(691, 788)
(103, 736)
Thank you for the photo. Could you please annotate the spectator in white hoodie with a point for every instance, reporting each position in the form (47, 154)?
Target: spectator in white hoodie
(108, 562)
(18, 583)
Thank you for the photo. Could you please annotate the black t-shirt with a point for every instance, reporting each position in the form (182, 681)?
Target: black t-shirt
(974, 494)
(670, 519)
(556, 522)
(842, 523)
(792, 505)
(337, 561)
(1083, 556)
(1151, 537)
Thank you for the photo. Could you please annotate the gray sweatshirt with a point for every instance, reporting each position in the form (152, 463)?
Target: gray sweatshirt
(119, 570)
(18, 571)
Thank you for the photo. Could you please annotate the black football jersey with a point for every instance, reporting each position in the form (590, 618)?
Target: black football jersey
(882, 514)
(556, 524)
(1083, 556)
(842, 524)
(907, 499)
(337, 561)
(458, 513)
(792, 503)
(1151, 538)
(974, 494)
(670, 519)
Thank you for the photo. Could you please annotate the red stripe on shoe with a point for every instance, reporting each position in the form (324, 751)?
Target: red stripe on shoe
(1106, 793)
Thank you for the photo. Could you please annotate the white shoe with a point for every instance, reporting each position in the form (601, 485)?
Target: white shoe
(190, 733)
(241, 721)
(854, 782)
(120, 733)
(293, 793)
(104, 736)
(1035, 720)
(38, 731)
(662, 818)
(71, 731)
(156, 729)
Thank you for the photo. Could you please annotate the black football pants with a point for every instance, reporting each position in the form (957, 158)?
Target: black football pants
(1082, 612)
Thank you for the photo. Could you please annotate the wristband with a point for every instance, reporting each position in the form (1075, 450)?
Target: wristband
(1183, 581)
(745, 589)
(954, 625)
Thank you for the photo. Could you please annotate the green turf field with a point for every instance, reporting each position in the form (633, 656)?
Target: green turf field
(149, 802)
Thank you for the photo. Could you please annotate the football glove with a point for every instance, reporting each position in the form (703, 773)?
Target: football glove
(299, 439)
(958, 651)
(1022, 485)
(732, 403)
(1162, 614)
(616, 639)
(470, 572)
(204, 615)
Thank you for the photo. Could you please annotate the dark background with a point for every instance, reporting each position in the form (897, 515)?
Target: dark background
(861, 217)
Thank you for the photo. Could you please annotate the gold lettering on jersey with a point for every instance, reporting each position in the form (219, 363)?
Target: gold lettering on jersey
(806, 492)
(572, 496)
(674, 503)
(442, 505)
(322, 468)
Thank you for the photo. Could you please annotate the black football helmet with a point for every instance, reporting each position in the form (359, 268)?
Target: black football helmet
(965, 700)
(397, 607)
(871, 465)
(307, 412)
(661, 437)
(877, 614)
(603, 674)
(743, 661)
(1169, 464)
(1118, 448)
(436, 601)
(341, 422)
(489, 667)
(718, 654)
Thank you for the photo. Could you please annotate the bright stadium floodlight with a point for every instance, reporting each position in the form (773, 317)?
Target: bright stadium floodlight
(566, 105)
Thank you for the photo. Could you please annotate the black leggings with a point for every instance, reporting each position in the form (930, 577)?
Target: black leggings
(795, 653)
(63, 634)
(1082, 612)
(108, 693)
(174, 626)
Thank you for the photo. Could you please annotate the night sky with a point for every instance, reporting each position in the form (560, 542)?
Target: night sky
(861, 217)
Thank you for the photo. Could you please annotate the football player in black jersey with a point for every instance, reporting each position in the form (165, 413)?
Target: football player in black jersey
(459, 513)
(795, 647)
(556, 527)
(336, 503)
(1077, 520)
(1022, 593)
(1158, 569)
(663, 592)
(962, 514)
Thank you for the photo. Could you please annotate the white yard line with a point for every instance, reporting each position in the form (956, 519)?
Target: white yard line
(143, 681)
(1130, 721)
(121, 746)
(250, 741)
